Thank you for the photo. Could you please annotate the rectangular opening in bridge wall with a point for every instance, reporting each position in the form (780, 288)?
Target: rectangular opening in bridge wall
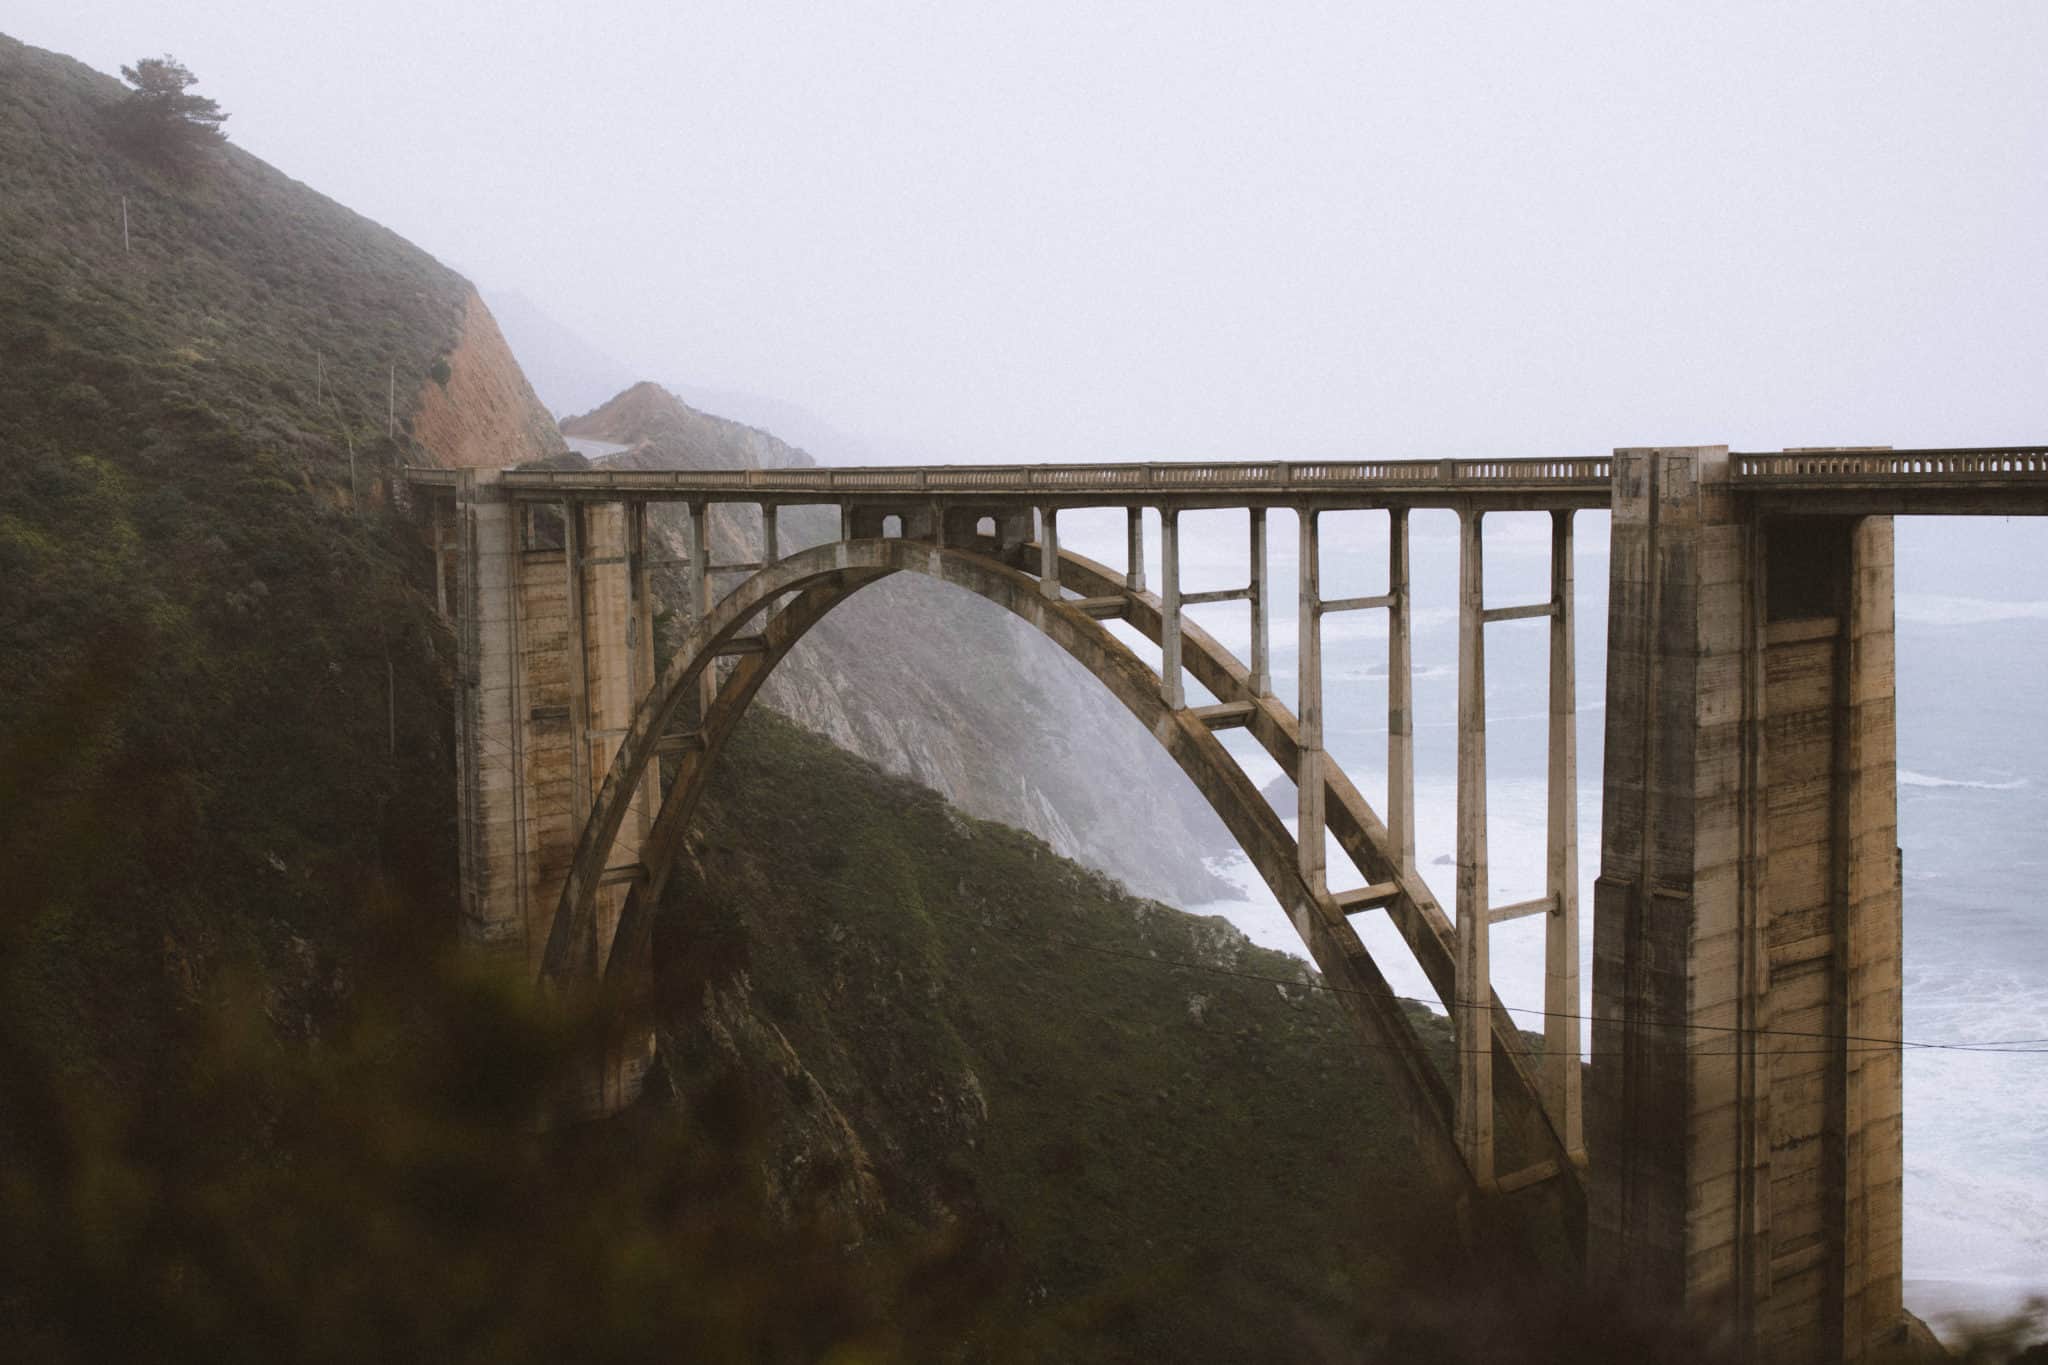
(1516, 557)
(1807, 567)
(540, 526)
(1354, 559)
(799, 526)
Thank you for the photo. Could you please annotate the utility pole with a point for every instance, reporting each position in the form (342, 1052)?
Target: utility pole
(124, 223)
(391, 401)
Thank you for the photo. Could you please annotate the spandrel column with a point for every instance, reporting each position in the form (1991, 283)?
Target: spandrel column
(1400, 698)
(1472, 1003)
(1562, 1029)
(1309, 708)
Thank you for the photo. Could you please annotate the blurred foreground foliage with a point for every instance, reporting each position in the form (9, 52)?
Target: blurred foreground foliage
(383, 1192)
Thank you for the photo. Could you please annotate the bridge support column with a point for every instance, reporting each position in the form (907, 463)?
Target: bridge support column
(491, 717)
(643, 667)
(1472, 1015)
(575, 548)
(553, 629)
(1745, 1153)
(1400, 699)
(1134, 547)
(697, 574)
(1169, 610)
(1308, 709)
(1049, 552)
(1562, 1034)
(1261, 676)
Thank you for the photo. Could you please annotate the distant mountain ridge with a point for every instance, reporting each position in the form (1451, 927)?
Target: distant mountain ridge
(649, 416)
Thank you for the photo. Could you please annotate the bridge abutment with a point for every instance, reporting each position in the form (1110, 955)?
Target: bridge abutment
(553, 621)
(1745, 1104)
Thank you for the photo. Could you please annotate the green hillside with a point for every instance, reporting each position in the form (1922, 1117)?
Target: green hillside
(221, 696)
(1170, 1140)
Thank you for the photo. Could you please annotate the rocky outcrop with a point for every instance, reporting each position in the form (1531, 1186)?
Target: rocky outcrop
(936, 685)
(674, 435)
(476, 411)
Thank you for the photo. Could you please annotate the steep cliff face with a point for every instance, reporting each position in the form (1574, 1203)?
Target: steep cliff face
(937, 685)
(476, 410)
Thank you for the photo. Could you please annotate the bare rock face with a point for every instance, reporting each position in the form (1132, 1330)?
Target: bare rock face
(479, 412)
(934, 684)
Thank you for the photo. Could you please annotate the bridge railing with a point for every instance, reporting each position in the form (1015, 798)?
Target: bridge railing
(1113, 479)
(1988, 464)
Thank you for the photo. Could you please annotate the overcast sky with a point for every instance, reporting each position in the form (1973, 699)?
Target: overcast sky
(1088, 230)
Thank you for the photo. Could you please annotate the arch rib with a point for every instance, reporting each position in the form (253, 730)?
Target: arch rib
(827, 575)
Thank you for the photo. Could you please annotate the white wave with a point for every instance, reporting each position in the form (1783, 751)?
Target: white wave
(1909, 778)
(1940, 609)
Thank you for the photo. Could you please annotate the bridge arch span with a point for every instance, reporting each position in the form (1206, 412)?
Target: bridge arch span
(824, 577)
(1749, 887)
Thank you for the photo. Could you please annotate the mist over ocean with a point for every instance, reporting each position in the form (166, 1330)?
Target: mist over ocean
(1973, 817)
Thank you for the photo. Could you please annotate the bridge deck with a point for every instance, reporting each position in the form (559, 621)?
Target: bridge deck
(1580, 482)
(2004, 480)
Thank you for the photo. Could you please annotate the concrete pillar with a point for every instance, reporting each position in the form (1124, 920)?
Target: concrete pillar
(1134, 547)
(575, 545)
(1169, 614)
(1261, 679)
(644, 668)
(1473, 995)
(771, 546)
(698, 573)
(1309, 708)
(1744, 1154)
(846, 531)
(1400, 698)
(1049, 552)
(490, 707)
(1869, 951)
(1562, 1064)
(1674, 538)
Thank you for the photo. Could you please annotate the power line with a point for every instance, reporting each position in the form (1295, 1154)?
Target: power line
(1862, 1042)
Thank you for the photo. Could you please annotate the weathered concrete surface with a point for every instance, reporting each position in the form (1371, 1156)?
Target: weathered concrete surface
(1745, 1155)
(553, 652)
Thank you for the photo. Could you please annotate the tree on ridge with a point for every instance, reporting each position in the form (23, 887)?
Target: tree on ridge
(163, 119)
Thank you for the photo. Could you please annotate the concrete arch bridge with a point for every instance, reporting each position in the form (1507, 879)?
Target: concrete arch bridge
(1749, 878)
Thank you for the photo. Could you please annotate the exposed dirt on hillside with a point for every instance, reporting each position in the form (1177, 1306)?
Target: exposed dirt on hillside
(485, 416)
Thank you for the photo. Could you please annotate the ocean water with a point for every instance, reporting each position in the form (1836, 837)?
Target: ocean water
(1973, 817)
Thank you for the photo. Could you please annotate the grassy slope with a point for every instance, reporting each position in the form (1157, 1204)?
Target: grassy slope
(1159, 1186)
(201, 646)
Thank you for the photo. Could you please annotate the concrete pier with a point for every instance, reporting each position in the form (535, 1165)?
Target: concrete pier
(1745, 1155)
(553, 656)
